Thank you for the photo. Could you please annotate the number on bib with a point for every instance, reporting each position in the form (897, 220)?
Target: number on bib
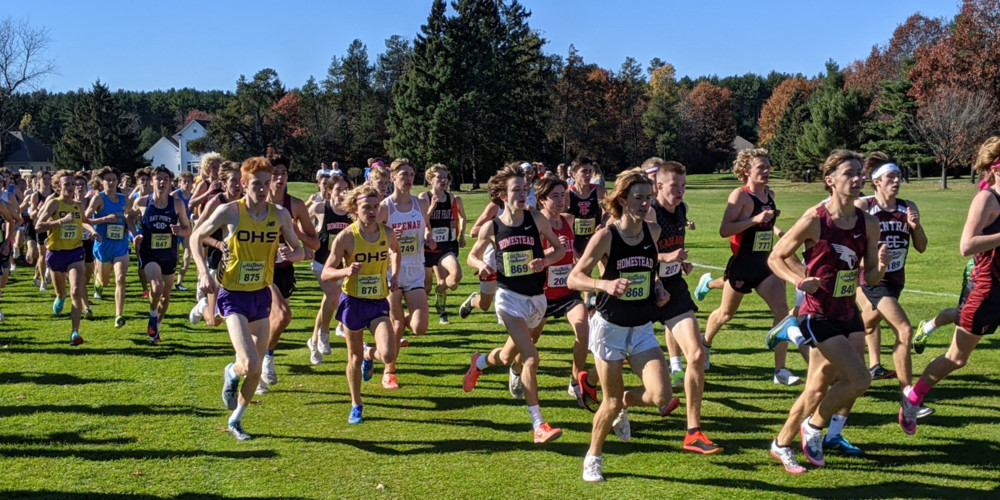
(116, 231)
(638, 289)
(441, 234)
(898, 260)
(517, 263)
(370, 286)
(251, 272)
(846, 284)
(559, 275)
(584, 227)
(408, 244)
(69, 231)
(161, 241)
(763, 241)
(668, 269)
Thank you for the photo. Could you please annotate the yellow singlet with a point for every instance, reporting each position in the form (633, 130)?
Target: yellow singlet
(370, 283)
(67, 236)
(252, 248)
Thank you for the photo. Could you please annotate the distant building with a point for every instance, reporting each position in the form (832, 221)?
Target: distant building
(172, 152)
(741, 144)
(26, 153)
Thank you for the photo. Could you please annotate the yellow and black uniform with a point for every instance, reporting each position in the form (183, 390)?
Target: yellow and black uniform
(364, 297)
(249, 270)
(65, 243)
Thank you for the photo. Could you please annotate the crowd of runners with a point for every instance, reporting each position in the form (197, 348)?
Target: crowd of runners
(548, 245)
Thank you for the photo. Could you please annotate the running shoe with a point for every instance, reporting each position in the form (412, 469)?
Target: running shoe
(1, 316)
(908, 416)
(155, 339)
(236, 429)
(443, 320)
(145, 294)
(698, 442)
(439, 303)
(466, 308)
(677, 378)
(514, 384)
(880, 373)
(367, 365)
(37, 282)
(701, 291)
(98, 291)
(315, 357)
(340, 331)
(786, 455)
(786, 377)
(669, 408)
(841, 444)
(75, 339)
(621, 426)
(324, 343)
(924, 411)
(152, 326)
(472, 374)
(779, 333)
(88, 313)
(262, 388)
(708, 354)
(588, 393)
(920, 339)
(197, 311)
(573, 389)
(57, 306)
(355, 416)
(181, 288)
(119, 321)
(404, 343)
(267, 373)
(230, 389)
(42, 287)
(592, 469)
(545, 433)
(812, 443)
(389, 381)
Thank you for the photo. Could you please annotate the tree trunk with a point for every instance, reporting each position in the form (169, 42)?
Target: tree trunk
(944, 177)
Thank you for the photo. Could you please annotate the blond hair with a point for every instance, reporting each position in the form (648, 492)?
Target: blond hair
(434, 169)
(744, 160)
(614, 202)
(206, 161)
(350, 203)
(987, 156)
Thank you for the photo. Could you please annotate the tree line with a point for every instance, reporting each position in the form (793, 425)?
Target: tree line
(474, 89)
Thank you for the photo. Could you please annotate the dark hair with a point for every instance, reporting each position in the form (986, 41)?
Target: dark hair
(837, 157)
(579, 162)
(281, 159)
(498, 183)
(546, 185)
(162, 170)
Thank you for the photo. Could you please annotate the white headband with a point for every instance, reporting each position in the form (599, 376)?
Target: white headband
(884, 169)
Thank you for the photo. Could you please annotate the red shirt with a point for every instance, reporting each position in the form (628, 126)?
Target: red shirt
(557, 274)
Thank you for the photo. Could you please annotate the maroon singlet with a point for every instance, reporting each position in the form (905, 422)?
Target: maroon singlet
(835, 259)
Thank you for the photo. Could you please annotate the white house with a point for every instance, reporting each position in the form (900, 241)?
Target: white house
(172, 152)
(26, 153)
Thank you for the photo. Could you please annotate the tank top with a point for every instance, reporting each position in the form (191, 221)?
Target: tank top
(557, 274)
(252, 247)
(516, 247)
(586, 213)
(286, 203)
(67, 236)
(673, 228)
(637, 306)
(444, 223)
(894, 233)
(186, 201)
(370, 282)
(835, 259)
(753, 246)
(986, 265)
(157, 239)
(112, 231)
(411, 242)
(332, 225)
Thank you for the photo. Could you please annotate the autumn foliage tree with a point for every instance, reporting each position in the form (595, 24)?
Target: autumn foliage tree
(885, 62)
(707, 127)
(776, 105)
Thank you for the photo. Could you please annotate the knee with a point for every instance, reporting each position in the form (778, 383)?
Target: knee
(530, 361)
(723, 317)
(860, 383)
(251, 365)
(697, 358)
(905, 334)
(612, 405)
(387, 353)
(663, 396)
(958, 358)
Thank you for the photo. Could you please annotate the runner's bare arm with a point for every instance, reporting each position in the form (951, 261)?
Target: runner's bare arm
(736, 218)
(226, 215)
(545, 231)
(425, 208)
(597, 250)
(475, 258)
(876, 256)
(489, 212)
(183, 226)
(45, 221)
(983, 210)
(805, 230)
(916, 228)
(396, 259)
(304, 228)
(462, 221)
(343, 245)
(292, 251)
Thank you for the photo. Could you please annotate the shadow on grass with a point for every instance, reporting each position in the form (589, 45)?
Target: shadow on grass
(111, 455)
(52, 379)
(108, 410)
(62, 438)
(38, 495)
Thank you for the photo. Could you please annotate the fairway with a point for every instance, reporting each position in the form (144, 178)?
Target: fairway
(119, 418)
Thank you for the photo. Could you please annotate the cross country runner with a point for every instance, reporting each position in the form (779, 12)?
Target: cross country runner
(446, 214)
(254, 226)
(584, 204)
(111, 250)
(487, 284)
(331, 219)
(38, 199)
(185, 190)
(215, 243)
(516, 235)
(84, 194)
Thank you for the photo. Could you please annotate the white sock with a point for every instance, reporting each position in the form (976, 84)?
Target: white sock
(676, 364)
(929, 326)
(795, 335)
(153, 313)
(237, 414)
(232, 373)
(481, 363)
(837, 422)
(536, 416)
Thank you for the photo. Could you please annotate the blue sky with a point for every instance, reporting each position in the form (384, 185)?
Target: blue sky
(143, 45)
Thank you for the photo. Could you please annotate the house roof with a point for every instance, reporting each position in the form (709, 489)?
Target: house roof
(740, 144)
(173, 141)
(203, 123)
(24, 149)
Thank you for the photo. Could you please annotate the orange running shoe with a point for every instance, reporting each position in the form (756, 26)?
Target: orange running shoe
(699, 443)
(546, 433)
(670, 407)
(472, 375)
(389, 381)
(588, 393)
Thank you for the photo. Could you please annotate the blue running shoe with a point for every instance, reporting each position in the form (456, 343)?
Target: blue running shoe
(57, 306)
(702, 289)
(780, 332)
(355, 416)
(841, 445)
(367, 365)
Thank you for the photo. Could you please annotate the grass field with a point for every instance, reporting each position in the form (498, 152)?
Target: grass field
(119, 418)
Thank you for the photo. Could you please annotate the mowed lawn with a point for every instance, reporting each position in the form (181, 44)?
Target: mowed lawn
(119, 418)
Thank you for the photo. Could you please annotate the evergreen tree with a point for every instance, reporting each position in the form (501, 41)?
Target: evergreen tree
(890, 132)
(786, 137)
(835, 118)
(99, 133)
(248, 124)
(661, 120)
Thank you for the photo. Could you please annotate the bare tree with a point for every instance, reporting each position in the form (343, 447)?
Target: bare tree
(22, 64)
(952, 123)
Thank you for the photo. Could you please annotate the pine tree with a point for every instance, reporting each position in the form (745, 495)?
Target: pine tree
(890, 133)
(98, 133)
(835, 118)
(786, 137)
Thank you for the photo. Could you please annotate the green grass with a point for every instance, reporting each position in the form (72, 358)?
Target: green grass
(118, 418)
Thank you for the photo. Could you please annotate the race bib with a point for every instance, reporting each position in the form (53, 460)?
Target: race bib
(69, 231)
(116, 231)
(846, 284)
(898, 260)
(584, 227)
(408, 244)
(517, 263)
(251, 272)
(640, 285)
(370, 286)
(559, 275)
(441, 234)
(161, 241)
(668, 269)
(763, 241)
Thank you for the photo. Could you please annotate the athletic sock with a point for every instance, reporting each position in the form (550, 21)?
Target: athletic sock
(837, 422)
(795, 334)
(929, 326)
(153, 313)
(917, 393)
(270, 352)
(481, 363)
(676, 364)
(231, 373)
(237, 414)
(536, 416)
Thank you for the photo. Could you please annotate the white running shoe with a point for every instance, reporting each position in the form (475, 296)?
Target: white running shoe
(315, 357)
(592, 469)
(812, 443)
(340, 331)
(621, 426)
(261, 388)
(786, 455)
(786, 377)
(324, 343)
(515, 385)
(267, 373)
(197, 311)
